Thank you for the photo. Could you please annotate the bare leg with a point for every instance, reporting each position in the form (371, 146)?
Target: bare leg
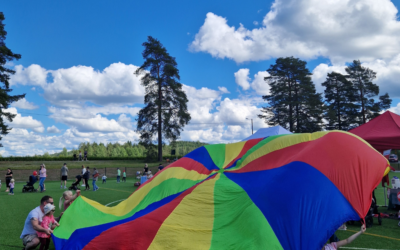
(33, 244)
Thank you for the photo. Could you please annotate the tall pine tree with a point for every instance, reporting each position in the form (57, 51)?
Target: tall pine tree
(6, 99)
(293, 102)
(339, 97)
(361, 78)
(165, 113)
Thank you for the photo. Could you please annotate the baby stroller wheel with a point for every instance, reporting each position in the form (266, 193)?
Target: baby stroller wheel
(23, 190)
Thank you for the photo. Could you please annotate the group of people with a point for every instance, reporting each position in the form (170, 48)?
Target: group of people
(10, 181)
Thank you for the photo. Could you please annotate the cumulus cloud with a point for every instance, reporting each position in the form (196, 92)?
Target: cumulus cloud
(24, 104)
(340, 30)
(53, 129)
(26, 122)
(223, 90)
(242, 78)
(73, 87)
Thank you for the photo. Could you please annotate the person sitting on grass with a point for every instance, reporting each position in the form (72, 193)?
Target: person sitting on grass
(32, 224)
(336, 245)
(68, 197)
(48, 222)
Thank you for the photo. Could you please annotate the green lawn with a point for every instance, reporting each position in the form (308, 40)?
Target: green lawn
(14, 209)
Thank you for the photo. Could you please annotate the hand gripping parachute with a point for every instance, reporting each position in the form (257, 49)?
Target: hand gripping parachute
(281, 192)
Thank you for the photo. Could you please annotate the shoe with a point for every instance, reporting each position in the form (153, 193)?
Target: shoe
(83, 185)
(61, 187)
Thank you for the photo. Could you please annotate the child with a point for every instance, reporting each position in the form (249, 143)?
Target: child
(11, 187)
(149, 175)
(104, 178)
(47, 223)
(124, 176)
(68, 197)
(336, 245)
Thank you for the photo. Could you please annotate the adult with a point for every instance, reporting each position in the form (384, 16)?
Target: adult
(95, 176)
(146, 169)
(32, 224)
(160, 167)
(80, 155)
(118, 175)
(86, 177)
(83, 172)
(42, 175)
(33, 179)
(64, 175)
(9, 176)
(85, 155)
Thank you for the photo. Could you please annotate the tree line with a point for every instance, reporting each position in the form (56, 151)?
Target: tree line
(349, 100)
(128, 149)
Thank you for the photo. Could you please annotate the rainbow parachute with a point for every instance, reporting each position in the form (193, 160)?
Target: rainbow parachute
(281, 192)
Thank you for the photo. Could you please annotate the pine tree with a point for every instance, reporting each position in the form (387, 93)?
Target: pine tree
(6, 99)
(366, 90)
(339, 97)
(293, 102)
(165, 113)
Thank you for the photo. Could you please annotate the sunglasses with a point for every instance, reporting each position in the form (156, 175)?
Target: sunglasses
(52, 203)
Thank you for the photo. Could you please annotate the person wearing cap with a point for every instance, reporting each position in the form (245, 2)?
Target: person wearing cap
(47, 222)
(64, 175)
(32, 224)
(33, 178)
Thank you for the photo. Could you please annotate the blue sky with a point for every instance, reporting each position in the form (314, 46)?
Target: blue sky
(78, 59)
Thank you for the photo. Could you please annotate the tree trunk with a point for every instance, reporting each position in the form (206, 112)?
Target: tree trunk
(159, 119)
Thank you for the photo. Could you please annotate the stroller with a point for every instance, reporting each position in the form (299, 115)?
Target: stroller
(29, 184)
(75, 185)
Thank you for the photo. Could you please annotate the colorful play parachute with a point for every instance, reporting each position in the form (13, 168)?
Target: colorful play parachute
(282, 192)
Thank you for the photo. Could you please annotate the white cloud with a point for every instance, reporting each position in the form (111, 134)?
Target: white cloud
(338, 29)
(33, 88)
(75, 86)
(223, 90)
(24, 104)
(242, 78)
(320, 73)
(255, 23)
(32, 75)
(26, 122)
(53, 129)
(259, 84)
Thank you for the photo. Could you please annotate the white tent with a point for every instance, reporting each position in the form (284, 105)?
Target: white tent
(266, 132)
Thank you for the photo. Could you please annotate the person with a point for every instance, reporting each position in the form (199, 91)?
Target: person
(124, 176)
(160, 167)
(75, 185)
(47, 222)
(33, 178)
(118, 175)
(83, 172)
(80, 155)
(104, 178)
(32, 224)
(68, 197)
(336, 245)
(86, 178)
(9, 176)
(95, 177)
(85, 155)
(11, 187)
(0, 185)
(146, 169)
(149, 175)
(43, 175)
(64, 175)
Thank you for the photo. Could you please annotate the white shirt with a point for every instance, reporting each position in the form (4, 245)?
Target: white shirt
(83, 170)
(104, 177)
(28, 228)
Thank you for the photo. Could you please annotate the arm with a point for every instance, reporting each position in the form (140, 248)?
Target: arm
(351, 238)
(78, 192)
(38, 227)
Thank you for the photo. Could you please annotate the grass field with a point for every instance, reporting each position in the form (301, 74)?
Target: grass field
(14, 209)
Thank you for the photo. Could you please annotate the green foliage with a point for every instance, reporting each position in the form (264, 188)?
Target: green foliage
(6, 99)
(165, 112)
(339, 98)
(361, 78)
(293, 102)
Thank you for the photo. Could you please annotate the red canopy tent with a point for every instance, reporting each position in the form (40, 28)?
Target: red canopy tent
(382, 132)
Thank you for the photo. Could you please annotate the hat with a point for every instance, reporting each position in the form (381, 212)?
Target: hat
(48, 208)
(34, 173)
